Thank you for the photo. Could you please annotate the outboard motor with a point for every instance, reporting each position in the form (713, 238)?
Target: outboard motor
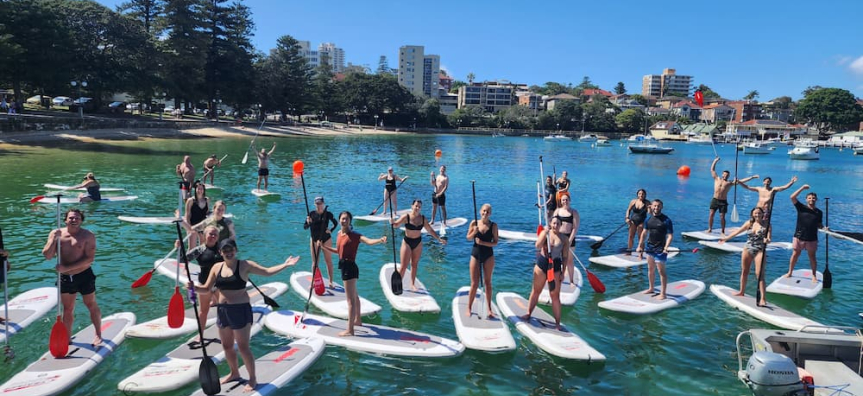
(771, 374)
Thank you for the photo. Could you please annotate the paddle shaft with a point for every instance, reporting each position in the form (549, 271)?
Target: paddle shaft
(246, 156)
(211, 169)
(315, 252)
(393, 234)
(549, 279)
(598, 244)
(3, 264)
(476, 224)
(736, 155)
(828, 277)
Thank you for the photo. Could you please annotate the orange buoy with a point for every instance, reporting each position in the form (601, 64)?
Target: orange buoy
(438, 153)
(683, 170)
(298, 166)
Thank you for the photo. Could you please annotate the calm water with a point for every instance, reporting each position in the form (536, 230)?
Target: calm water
(684, 351)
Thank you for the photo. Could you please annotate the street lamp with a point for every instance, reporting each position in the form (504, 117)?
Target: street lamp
(80, 84)
(558, 127)
(376, 122)
(415, 123)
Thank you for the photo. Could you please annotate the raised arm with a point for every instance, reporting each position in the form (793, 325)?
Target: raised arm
(786, 186)
(713, 168)
(797, 192)
(257, 269)
(272, 149)
(541, 243)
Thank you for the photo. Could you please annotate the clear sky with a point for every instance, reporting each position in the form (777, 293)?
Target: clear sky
(775, 47)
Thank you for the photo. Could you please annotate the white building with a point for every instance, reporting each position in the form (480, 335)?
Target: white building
(419, 73)
(334, 55)
(313, 58)
(656, 86)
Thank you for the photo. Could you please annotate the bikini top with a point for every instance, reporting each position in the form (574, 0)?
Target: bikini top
(409, 226)
(565, 219)
(233, 282)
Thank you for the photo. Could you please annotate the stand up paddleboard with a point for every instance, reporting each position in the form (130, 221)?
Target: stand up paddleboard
(69, 188)
(770, 314)
(623, 260)
(333, 302)
(169, 269)
(180, 366)
(380, 340)
(450, 223)
(542, 331)
(264, 194)
(410, 300)
(479, 331)
(212, 187)
(569, 292)
(26, 308)
(714, 235)
(159, 329)
(155, 220)
(275, 369)
(382, 217)
(531, 236)
(799, 284)
(737, 247)
(49, 376)
(69, 200)
(638, 303)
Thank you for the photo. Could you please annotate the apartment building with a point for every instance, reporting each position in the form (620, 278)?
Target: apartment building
(745, 110)
(656, 86)
(716, 112)
(335, 56)
(313, 58)
(418, 72)
(491, 96)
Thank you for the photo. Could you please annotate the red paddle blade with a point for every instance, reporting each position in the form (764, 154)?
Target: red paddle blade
(539, 229)
(36, 198)
(143, 280)
(318, 282)
(58, 344)
(595, 283)
(175, 310)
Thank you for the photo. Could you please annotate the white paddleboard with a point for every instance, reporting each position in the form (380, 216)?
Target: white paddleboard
(569, 292)
(212, 187)
(622, 260)
(68, 200)
(277, 368)
(714, 235)
(531, 236)
(441, 229)
(381, 340)
(68, 188)
(638, 303)
(158, 328)
(381, 217)
(265, 194)
(542, 331)
(169, 269)
(155, 220)
(770, 314)
(737, 247)
(478, 331)
(798, 284)
(180, 366)
(26, 308)
(410, 300)
(49, 376)
(333, 302)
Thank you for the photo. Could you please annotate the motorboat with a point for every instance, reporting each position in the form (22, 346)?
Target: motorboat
(589, 138)
(805, 149)
(858, 150)
(704, 139)
(640, 138)
(649, 148)
(756, 148)
(557, 138)
(820, 360)
(497, 135)
(602, 141)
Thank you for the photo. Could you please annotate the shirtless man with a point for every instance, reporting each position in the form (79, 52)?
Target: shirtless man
(440, 184)
(764, 196)
(77, 252)
(186, 171)
(210, 165)
(263, 170)
(721, 186)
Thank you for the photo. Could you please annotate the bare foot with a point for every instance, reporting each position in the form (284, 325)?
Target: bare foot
(250, 386)
(331, 285)
(628, 253)
(814, 280)
(97, 341)
(525, 317)
(230, 378)
(738, 294)
(345, 333)
(660, 297)
(648, 291)
(709, 230)
(468, 313)
(788, 275)
(763, 303)
(414, 288)
(491, 315)
(2, 320)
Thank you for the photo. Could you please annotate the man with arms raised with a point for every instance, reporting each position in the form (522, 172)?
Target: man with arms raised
(764, 197)
(186, 171)
(809, 220)
(721, 186)
(77, 252)
(263, 167)
(440, 184)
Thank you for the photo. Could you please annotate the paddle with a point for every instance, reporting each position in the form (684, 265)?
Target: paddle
(760, 274)
(176, 307)
(735, 217)
(208, 373)
(598, 244)
(211, 170)
(144, 279)
(315, 252)
(58, 343)
(695, 250)
(36, 198)
(549, 276)
(267, 300)
(385, 199)
(595, 283)
(476, 223)
(539, 209)
(828, 277)
(7, 349)
(246, 155)
(396, 279)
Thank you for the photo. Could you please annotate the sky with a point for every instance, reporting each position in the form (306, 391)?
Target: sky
(775, 47)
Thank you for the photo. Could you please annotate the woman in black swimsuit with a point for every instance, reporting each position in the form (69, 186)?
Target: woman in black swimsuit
(412, 244)
(569, 223)
(92, 185)
(390, 189)
(483, 233)
(234, 311)
(636, 213)
(197, 207)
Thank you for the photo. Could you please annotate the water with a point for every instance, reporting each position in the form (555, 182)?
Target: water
(684, 351)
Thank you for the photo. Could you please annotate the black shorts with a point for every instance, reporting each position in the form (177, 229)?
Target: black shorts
(350, 270)
(263, 171)
(441, 200)
(720, 204)
(544, 265)
(235, 316)
(84, 283)
(186, 185)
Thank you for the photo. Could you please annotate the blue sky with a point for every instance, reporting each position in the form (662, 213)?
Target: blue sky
(775, 47)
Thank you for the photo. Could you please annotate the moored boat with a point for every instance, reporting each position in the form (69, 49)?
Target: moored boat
(556, 137)
(756, 148)
(589, 138)
(804, 150)
(649, 149)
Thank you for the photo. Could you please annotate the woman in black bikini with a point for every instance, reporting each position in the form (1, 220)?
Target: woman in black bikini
(197, 208)
(234, 311)
(636, 213)
(483, 233)
(753, 249)
(390, 188)
(412, 244)
(569, 222)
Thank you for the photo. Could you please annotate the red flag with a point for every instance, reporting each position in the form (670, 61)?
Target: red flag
(699, 98)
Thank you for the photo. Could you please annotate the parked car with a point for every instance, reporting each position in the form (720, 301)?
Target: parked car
(62, 101)
(117, 107)
(168, 109)
(37, 100)
(87, 103)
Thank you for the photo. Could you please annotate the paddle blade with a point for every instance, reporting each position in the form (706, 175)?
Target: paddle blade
(143, 280)
(595, 283)
(596, 245)
(539, 229)
(269, 301)
(246, 157)
(551, 281)
(208, 375)
(442, 229)
(58, 344)
(36, 198)
(828, 278)
(318, 282)
(735, 217)
(396, 281)
(175, 310)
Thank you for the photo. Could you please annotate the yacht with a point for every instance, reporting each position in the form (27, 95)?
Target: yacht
(805, 149)
(648, 145)
(602, 141)
(589, 138)
(756, 148)
(703, 139)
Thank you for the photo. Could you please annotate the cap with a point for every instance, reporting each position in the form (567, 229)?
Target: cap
(319, 199)
(390, 168)
(226, 243)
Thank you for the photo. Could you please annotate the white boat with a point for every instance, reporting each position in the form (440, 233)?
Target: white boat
(602, 142)
(699, 140)
(823, 360)
(557, 138)
(775, 142)
(497, 135)
(805, 149)
(641, 138)
(589, 138)
(858, 150)
(756, 148)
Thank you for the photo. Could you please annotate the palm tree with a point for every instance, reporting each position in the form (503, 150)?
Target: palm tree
(470, 77)
(752, 95)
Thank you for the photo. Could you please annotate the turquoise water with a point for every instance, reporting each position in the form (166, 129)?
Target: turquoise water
(684, 351)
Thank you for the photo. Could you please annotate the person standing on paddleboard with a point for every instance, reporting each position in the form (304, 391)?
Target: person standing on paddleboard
(765, 195)
(753, 249)
(659, 232)
(390, 193)
(412, 244)
(721, 187)
(809, 220)
(197, 209)
(234, 312)
(92, 185)
(263, 167)
(559, 252)
(636, 213)
(317, 220)
(207, 256)
(551, 198)
(440, 184)
(210, 165)
(563, 183)
(187, 172)
(569, 223)
(77, 253)
(483, 233)
(347, 244)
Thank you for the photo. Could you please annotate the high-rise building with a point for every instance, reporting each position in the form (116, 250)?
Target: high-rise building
(419, 73)
(313, 58)
(657, 86)
(335, 56)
